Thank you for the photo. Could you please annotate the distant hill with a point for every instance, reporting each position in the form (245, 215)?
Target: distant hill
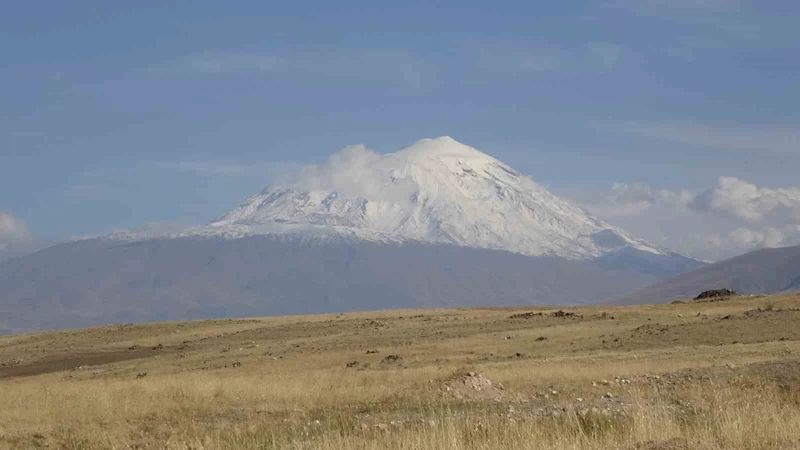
(767, 271)
(101, 281)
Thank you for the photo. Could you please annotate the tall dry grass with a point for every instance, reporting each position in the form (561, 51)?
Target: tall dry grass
(388, 410)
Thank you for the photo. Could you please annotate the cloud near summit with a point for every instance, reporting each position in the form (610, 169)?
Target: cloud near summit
(732, 217)
(354, 172)
(15, 238)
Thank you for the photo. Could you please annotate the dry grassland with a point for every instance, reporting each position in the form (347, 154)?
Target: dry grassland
(696, 375)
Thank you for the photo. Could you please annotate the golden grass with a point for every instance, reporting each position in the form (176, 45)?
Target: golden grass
(293, 389)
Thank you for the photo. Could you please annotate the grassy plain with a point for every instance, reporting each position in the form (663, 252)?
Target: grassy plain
(693, 375)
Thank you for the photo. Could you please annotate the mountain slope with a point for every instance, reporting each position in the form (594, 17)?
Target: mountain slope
(102, 281)
(767, 271)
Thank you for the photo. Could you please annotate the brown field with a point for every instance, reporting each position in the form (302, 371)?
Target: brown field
(694, 375)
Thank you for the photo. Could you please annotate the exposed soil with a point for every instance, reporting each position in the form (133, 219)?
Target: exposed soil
(473, 386)
(672, 444)
(71, 361)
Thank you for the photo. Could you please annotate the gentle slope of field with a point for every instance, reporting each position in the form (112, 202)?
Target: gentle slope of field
(694, 375)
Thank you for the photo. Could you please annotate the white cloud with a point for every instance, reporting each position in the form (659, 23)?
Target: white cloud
(730, 218)
(355, 172)
(734, 197)
(15, 238)
(13, 232)
(763, 238)
(781, 140)
(634, 199)
(719, 241)
(743, 239)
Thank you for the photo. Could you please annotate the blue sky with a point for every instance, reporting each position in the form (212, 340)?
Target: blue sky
(121, 116)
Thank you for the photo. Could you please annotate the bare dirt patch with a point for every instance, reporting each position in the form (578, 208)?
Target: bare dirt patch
(69, 362)
(671, 444)
(474, 386)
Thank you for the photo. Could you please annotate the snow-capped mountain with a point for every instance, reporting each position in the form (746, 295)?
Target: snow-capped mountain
(435, 224)
(436, 190)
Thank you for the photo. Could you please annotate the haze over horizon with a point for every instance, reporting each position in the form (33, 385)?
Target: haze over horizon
(681, 127)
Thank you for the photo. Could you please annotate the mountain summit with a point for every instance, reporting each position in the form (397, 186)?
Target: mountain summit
(436, 190)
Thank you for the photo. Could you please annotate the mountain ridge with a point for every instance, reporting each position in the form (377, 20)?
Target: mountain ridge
(764, 271)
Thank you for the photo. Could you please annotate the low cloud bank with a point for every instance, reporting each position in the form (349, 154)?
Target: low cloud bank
(732, 217)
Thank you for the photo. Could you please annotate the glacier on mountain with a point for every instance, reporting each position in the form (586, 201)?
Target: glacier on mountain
(437, 191)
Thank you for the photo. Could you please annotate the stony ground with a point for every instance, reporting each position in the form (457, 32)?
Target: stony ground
(697, 374)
